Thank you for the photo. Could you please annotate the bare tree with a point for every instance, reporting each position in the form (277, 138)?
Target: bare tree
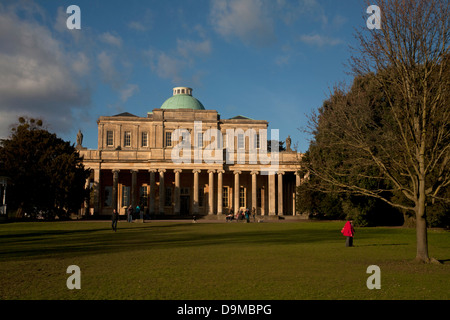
(396, 126)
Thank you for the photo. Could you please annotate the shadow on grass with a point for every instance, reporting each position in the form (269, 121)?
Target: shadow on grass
(61, 243)
(383, 244)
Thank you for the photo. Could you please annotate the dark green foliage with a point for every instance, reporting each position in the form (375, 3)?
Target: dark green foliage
(46, 173)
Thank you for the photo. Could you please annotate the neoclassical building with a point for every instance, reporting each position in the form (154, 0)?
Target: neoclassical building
(183, 159)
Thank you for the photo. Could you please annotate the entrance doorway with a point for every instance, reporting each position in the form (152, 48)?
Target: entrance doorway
(184, 205)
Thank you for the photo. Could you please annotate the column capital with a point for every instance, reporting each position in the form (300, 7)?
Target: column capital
(211, 171)
(254, 172)
(196, 171)
(280, 172)
(161, 170)
(220, 171)
(115, 170)
(237, 172)
(177, 170)
(152, 170)
(134, 170)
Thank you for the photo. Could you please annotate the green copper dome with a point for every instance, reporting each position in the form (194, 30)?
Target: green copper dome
(182, 99)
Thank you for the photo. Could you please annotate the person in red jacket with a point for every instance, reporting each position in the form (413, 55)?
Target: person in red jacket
(348, 232)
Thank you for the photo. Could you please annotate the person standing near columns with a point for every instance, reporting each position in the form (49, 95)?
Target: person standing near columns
(114, 218)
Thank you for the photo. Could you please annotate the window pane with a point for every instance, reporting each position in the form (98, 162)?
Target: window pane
(109, 138)
(144, 140)
(108, 197)
(143, 196)
(125, 196)
(200, 140)
(225, 196)
(241, 197)
(240, 141)
(127, 139)
(168, 139)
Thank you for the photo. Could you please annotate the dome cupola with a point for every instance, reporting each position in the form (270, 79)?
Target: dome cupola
(182, 99)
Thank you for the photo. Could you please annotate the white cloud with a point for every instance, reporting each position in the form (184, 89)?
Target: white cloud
(34, 76)
(167, 67)
(248, 20)
(143, 23)
(128, 91)
(138, 26)
(111, 39)
(188, 47)
(108, 70)
(319, 40)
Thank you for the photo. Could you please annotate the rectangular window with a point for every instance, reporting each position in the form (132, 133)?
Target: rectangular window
(168, 199)
(107, 202)
(125, 196)
(109, 138)
(184, 191)
(241, 141)
(242, 197)
(144, 139)
(200, 140)
(258, 142)
(168, 139)
(225, 197)
(127, 139)
(143, 196)
(224, 140)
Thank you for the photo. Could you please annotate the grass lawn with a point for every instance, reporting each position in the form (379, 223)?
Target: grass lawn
(209, 261)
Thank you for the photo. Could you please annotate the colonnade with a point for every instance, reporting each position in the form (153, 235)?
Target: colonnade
(215, 196)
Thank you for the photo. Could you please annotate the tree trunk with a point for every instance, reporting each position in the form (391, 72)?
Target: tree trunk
(421, 226)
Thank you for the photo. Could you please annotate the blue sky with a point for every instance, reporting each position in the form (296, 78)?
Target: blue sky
(272, 60)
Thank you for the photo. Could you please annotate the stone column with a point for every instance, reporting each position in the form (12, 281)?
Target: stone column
(236, 191)
(177, 191)
(196, 172)
(151, 206)
(280, 193)
(86, 201)
(254, 191)
(211, 192)
(162, 191)
(219, 192)
(97, 197)
(134, 188)
(115, 190)
(272, 199)
(297, 184)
